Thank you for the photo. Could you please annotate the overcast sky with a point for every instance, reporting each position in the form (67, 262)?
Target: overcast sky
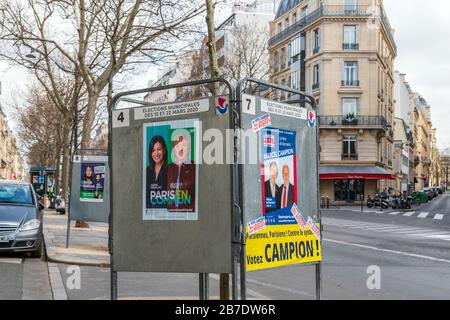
(422, 34)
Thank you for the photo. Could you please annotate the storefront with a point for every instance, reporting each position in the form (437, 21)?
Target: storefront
(348, 184)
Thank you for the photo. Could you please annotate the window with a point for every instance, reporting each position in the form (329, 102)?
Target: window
(286, 23)
(348, 190)
(350, 7)
(280, 28)
(349, 148)
(294, 17)
(283, 59)
(316, 41)
(349, 106)
(350, 76)
(316, 79)
(295, 50)
(304, 11)
(295, 80)
(350, 38)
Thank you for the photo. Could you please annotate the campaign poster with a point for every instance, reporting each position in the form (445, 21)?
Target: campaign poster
(170, 175)
(282, 234)
(92, 182)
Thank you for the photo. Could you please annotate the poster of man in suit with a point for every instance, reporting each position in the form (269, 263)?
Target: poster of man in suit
(278, 164)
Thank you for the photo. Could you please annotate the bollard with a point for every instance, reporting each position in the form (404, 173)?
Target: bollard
(328, 203)
(362, 202)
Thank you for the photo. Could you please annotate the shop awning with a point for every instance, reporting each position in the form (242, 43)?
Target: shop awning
(334, 172)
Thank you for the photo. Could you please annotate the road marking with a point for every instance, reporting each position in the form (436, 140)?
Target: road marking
(408, 214)
(394, 213)
(11, 260)
(256, 295)
(389, 251)
(423, 215)
(438, 216)
(281, 288)
(56, 282)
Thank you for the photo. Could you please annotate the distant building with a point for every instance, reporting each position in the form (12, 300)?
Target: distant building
(11, 163)
(342, 52)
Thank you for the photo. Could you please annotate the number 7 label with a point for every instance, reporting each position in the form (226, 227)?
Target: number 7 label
(248, 104)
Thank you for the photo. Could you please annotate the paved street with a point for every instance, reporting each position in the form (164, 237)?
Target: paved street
(23, 278)
(411, 248)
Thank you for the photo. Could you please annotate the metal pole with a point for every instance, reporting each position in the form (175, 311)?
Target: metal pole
(68, 230)
(203, 286)
(113, 285)
(362, 203)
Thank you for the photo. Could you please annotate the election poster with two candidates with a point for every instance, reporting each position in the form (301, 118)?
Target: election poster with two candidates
(92, 182)
(170, 175)
(281, 235)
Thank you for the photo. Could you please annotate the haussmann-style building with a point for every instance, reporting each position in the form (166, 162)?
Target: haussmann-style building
(342, 51)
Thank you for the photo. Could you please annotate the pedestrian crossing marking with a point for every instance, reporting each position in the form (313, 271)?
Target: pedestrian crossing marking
(408, 214)
(423, 215)
(394, 213)
(438, 216)
(423, 233)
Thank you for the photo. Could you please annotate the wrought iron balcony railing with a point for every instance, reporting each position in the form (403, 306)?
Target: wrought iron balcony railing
(332, 11)
(350, 83)
(349, 156)
(316, 86)
(356, 121)
(350, 46)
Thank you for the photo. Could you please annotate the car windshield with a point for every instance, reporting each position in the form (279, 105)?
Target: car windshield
(15, 193)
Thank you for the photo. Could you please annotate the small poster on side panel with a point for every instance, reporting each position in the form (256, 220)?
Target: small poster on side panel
(92, 182)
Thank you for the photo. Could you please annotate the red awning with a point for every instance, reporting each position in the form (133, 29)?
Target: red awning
(355, 173)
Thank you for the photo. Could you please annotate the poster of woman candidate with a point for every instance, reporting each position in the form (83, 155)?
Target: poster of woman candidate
(170, 175)
(92, 182)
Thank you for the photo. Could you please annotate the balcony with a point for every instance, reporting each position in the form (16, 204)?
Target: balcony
(349, 156)
(369, 122)
(350, 46)
(331, 11)
(350, 83)
(315, 86)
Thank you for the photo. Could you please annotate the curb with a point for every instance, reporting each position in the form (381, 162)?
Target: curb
(52, 256)
(56, 282)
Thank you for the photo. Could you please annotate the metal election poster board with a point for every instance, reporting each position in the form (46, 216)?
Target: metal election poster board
(280, 203)
(89, 192)
(171, 205)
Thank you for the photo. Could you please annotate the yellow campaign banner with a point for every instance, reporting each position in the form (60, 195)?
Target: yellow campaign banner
(281, 245)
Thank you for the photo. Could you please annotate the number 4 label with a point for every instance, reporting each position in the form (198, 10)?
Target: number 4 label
(248, 104)
(121, 118)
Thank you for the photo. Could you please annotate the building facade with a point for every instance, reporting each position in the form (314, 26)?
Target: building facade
(404, 146)
(422, 138)
(342, 51)
(11, 164)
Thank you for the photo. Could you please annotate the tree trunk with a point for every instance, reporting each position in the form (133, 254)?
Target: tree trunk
(214, 72)
(88, 120)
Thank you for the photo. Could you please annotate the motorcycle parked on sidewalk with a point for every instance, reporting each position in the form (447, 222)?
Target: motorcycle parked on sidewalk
(382, 202)
(401, 202)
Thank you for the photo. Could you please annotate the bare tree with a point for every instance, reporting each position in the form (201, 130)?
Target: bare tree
(98, 39)
(247, 53)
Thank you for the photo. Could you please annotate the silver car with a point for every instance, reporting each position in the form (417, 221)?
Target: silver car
(20, 218)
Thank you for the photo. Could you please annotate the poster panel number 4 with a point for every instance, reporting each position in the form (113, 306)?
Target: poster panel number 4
(121, 118)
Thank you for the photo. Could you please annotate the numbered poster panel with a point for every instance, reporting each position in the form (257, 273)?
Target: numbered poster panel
(92, 182)
(170, 177)
(282, 234)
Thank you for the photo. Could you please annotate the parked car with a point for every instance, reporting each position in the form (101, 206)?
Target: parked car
(429, 193)
(439, 189)
(20, 218)
(419, 197)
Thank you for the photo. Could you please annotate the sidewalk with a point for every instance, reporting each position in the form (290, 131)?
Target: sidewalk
(87, 246)
(355, 209)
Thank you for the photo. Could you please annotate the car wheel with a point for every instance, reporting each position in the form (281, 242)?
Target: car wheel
(38, 252)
